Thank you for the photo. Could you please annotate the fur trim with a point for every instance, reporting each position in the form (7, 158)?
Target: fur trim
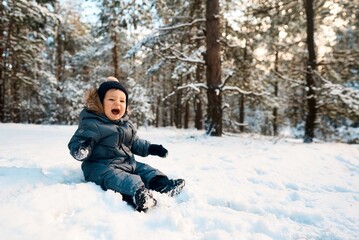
(92, 101)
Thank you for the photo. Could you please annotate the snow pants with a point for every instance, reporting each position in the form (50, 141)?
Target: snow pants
(125, 178)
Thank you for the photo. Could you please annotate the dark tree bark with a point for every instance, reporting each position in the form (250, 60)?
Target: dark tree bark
(6, 108)
(213, 71)
(242, 96)
(2, 75)
(178, 109)
(241, 112)
(197, 99)
(157, 121)
(310, 83)
(199, 113)
(115, 54)
(59, 55)
(186, 116)
(275, 85)
(15, 92)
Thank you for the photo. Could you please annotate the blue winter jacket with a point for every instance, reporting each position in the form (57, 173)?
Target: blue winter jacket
(113, 143)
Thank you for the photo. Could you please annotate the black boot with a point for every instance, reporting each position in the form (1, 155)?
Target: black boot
(143, 200)
(169, 186)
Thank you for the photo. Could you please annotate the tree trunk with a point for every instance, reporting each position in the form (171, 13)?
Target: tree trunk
(59, 55)
(2, 78)
(198, 122)
(275, 109)
(241, 112)
(310, 83)
(186, 116)
(15, 92)
(115, 55)
(178, 109)
(157, 123)
(242, 96)
(6, 77)
(213, 71)
(166, 110)
(199, 113)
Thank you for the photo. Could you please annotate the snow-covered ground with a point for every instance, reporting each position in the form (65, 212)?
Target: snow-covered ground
(238, 187)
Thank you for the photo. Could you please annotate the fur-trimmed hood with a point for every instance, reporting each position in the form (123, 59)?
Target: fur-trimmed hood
(92, 101)
(94, 97)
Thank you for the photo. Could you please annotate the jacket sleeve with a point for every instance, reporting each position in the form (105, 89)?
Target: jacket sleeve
(86, 130)
(138, 146)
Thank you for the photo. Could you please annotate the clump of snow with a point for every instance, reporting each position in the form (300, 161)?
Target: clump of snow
(237, 187)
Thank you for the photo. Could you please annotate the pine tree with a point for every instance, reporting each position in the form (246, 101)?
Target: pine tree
(24, 25)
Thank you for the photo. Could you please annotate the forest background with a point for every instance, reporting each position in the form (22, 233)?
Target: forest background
(269, 67)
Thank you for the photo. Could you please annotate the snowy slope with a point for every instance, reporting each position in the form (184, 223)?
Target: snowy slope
(238, 187)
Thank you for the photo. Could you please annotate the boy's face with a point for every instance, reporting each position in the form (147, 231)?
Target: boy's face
(114, 104)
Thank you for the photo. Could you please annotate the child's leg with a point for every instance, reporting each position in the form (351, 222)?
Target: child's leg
(117, 178)
(156, 180)
(132, 189)
(147, 173)
(122, 181)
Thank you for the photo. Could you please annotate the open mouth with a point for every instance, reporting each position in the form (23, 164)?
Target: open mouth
(115, 111)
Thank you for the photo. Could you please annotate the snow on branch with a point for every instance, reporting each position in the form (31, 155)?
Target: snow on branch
(225, 80)
(194, 86)
(148, 41)
(168, 96)
(348, 95)
(177, 55)
(185, 58)
(182, 25)
(299, 82)
(237, 89)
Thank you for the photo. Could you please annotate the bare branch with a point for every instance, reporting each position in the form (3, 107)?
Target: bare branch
(165, 56)
(230, 74)
(181, 25)
(237, 89)
(287, 78)
(185, 58)
(195, 86)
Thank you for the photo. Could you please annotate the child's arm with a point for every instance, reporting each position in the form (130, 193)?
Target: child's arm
(140, 146)
(83, 141)
(143, 147)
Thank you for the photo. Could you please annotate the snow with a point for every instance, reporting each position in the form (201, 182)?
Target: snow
(237, 187)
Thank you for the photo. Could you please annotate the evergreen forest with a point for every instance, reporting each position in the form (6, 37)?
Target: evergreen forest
(269, 67)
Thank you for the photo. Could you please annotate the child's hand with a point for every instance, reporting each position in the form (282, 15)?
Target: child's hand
(84, 150)
(158, 150)
(81, 154)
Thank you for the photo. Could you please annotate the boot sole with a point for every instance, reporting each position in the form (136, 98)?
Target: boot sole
(177, 190)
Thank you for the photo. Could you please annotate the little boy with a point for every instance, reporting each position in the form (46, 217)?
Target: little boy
(106, 142)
